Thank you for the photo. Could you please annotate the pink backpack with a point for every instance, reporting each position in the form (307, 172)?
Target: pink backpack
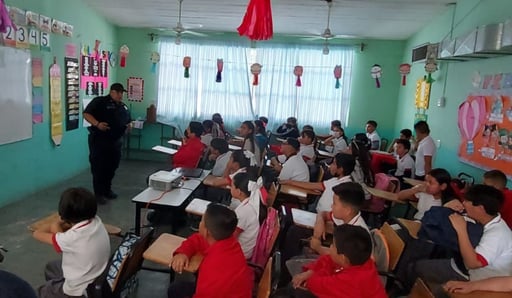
(266, 238)
(386, 183)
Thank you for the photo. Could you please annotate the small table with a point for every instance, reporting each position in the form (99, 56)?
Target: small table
(412, 182)
(197, 206)
(175, 142)
(386, 195)
(162, 249)
(303, 218)
(297, 191)
(54, 217)
(165, 150)
(412, 226)
(325, 153)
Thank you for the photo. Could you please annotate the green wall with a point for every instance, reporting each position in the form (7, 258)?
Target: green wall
(456, 75)
(30, 165)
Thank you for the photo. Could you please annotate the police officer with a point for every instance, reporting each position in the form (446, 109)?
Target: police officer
(109, 118)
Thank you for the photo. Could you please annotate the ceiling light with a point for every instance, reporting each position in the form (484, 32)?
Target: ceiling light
(325, 50)
(178, 40)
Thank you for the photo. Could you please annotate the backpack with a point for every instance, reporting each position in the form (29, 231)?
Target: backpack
(383, 182)
(266, 238)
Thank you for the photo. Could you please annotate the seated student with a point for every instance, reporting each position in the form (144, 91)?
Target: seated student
(251, 211)
(498, 180)
(260, 137)
(493, 284)
(288, 129)
(247, 131)
(191, 150)
(436, 191)
(224, 271)
(371, 133)
(405, 134)
(239, 160)
(308, 127)
(405, 163)
(307, 146)
(264, 120)
(337, 142)
(219, 152)
(348, 270)
(492, 256)
(290, 165)
(362, 173)
(334, 123)
(207, 137)
(218, 130)
(85, 245)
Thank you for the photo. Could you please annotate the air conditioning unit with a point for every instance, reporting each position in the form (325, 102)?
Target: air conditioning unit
(424, 51)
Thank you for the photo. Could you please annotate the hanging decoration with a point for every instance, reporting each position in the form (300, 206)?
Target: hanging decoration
(123, 55)
(337, 76)
(155, 58)
(55, 103)
(422, 96)
(5, 20)
(376, 74)
(430, 67)
(471, 117)
(255, 70)
(405, 69)
(257, 22)
(476, 79)
(186, 64)
(297, 71)
(220, 66)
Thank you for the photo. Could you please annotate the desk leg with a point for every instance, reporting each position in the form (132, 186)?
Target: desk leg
(137, 218)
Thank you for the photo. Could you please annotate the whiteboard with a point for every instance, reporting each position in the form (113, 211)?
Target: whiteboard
(15, 95)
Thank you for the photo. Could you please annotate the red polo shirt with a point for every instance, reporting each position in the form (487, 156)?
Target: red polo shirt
(189, 154)
(506, 208)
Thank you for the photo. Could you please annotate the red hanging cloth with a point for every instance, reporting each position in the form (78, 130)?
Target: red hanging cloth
(257, 22)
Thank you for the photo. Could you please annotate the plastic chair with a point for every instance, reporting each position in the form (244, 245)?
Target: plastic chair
(384, 144)
(420, 290)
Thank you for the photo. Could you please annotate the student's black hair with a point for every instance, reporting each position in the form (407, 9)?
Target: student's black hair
(217, 118)
(359, 146)
(405, 143)
(308, 133)
(422, 127)
(336, 123)
(345, 161)
(496, 176)
(343, 136)
(372, 123)
(292, 121)
(263, 119)
(220, 221)
(207, 125)
(353, 242)
(351, 193)
(238, 156)
(77, 204)
(241, 181)
(250, 137)
(442, 176)
(406, 132)
(259, 127)
(220, 144)
(196, 128)
(308, 127)
(487, 196)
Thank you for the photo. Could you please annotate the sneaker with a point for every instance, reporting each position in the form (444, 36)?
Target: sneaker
(101, 200)
(111, 195)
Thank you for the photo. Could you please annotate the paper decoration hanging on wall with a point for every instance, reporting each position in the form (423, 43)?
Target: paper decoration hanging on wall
(422, 96)
(257, 21)
(430, 67)
(123, 55)
(45, 23)
(405, 69)
(155, 58)
(471, 117)
(255, 70)
(220, 67)
(5, 19)
(57, 26)
(376, 72)
(55, 103)
(297, 71)
(476, 79)
(67, 30)
(337, 75)
(186, 64)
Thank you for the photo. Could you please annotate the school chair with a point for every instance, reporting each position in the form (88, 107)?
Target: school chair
(384, 144)
(270, 278)
(273, 191)
(389, 240)
(420, 290)
(266, 243)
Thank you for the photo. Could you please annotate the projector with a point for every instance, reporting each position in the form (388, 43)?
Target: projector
(164, 180)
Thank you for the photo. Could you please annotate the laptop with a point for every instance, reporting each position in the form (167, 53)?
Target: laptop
(189, 172)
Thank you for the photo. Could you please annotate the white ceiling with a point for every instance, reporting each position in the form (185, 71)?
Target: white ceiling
(380, 19)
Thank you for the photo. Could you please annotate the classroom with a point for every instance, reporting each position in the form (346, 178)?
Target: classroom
(396, 63)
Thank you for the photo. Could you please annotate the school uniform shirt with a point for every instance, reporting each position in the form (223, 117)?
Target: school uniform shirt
(358, 220)
(308, 153)
(248, 145)
(494, 251)
(340, 145)
(358, 177)
(206, 139)
(248, 225)
(295, 168)
(426, 147)
(220, 164)
(330, 280)
(506, 208)
(374, 139)
(425, 201)
(85, 249)
(404, 163)
(261, 141)
(325, 201)
(189, 154)
(223, 271)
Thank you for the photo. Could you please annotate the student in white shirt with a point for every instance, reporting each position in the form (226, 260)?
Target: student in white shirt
(291, 166)
(337, 142)
(247, 131)
(307, 146)
(207, 137)
(405, 134)
(404, 163)
(426, 150)
(219, 152)
(373, 136)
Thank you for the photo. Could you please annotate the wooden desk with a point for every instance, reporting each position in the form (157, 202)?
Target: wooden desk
(175, 142)
(239, 138)
(297, 191)
(413, 182)
(54, 217)
(165, 150)
(303, 218)
(234, 147)
(482, 294)
(197, 207)
(161, 251)
(412, 226)
(209, 180)
(325, 153)
(386, 195)
(281, 140)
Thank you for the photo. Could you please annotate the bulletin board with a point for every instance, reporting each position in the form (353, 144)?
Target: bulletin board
(15, 95)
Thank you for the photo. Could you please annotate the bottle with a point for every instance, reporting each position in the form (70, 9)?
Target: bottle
(151, 114)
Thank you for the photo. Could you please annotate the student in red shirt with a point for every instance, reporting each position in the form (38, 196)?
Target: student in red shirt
(498, 180)
(191, 149)
(348, 271)
(223, 271)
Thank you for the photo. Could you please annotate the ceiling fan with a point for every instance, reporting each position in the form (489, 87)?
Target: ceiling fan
(179, 29)
(326, 34)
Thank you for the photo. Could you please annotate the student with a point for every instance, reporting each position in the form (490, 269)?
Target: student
(362, 173)
(498, 180)
(238, 161)
(191, 149)
(251, 212)
(261, 135)
(290, 165)
(207, 137)
(405, 134)
(264, 120)
(334, 123)
(404, 163)
(223, 271)
(307, 146)
(308, 127)
(493, 284)
(373, 136)
(426, 150)
(247, 131)
(436, 191)
(85, 246)
(492, 257)
(219, 152)
(337, 142)
(288, 129)
(348, 270)
(218, 130)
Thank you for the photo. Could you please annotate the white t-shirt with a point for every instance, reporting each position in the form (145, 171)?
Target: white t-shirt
(358, 220)
(425, 201)
(374, 139)
(295, 168)
(358, 177)
(206, 139)
(426, 147)
(249, 223)
(325, 201)
(495, 249)
(308, 153)
(85, 253)
(257, 154)
(404, 163)
(220, 164)
(340, 145)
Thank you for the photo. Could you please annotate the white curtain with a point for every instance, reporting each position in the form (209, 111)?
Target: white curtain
(317, 102)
